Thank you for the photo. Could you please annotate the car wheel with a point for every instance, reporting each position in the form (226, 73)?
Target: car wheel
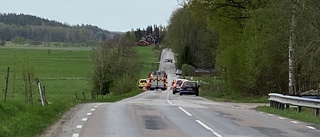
(180, 94)
(197, 94)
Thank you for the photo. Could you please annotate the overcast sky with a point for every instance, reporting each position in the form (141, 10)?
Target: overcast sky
(113, 15)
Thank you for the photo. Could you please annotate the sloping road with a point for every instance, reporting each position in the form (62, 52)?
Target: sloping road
(162, 114)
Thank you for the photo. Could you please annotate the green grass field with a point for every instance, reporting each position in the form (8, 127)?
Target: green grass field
(64, 73)
(148, 58)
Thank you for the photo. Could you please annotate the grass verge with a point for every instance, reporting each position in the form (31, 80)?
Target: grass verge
(306, 115)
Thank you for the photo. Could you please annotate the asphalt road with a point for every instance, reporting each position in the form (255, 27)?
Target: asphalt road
(162, 114)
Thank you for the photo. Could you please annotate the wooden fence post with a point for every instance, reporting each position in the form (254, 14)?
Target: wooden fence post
(6, 86)
(30, 88)
(44, 95)
(40, 91)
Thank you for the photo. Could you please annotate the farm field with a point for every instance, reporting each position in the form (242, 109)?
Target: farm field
(64, 73)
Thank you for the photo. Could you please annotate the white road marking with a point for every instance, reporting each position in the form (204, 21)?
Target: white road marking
(295, 122)
(207, 127)
(93, 109)
(84, 119)
(75, 135)
(270, 114)
(89, 114)
(185, 111)
(311, 127)
(169, 100)
(95, 106)
(261, 112)
(79, 126)
(280, 117)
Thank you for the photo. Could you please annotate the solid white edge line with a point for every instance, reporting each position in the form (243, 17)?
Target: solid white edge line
(89, 114)
(311, 127)
(185, 111)
(208, 128)
(169, 100)
(84, 119)
(75, 135)
(79, 126)
(295, 122)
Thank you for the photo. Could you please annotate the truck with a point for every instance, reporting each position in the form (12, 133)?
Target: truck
(157, 80)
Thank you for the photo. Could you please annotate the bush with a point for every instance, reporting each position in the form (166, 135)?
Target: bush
(123, 85)
(2, 43)
(212, 86)
(35, 42)
(18, 40)
(187, 70)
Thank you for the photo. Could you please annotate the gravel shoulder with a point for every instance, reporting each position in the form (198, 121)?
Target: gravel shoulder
(56, 129)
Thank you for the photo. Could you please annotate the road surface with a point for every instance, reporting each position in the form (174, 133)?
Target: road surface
(162, 114)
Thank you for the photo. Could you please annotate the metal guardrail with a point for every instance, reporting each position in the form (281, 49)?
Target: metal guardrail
(281, 101)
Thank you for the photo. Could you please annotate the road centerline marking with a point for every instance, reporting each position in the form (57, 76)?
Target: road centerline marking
(89, 114)
(84, 119)
(75, 135)
(79, 126)
(93, 109)
(185, 111)
(169, 100)
(208, 128)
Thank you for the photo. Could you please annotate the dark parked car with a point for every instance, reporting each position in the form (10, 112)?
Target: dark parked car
(189, 87)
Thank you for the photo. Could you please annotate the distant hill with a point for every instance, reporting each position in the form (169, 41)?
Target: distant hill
(29, 27)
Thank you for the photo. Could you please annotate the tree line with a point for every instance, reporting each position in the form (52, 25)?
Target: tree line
(43, 30)
(247, 43)
(157, 32)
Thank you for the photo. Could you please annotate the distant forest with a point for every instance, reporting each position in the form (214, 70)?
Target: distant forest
(28, 27)
(22, 28)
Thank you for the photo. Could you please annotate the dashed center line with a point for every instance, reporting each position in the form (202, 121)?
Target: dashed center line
(169, 100)
(84, 119)
(79, 126)
(95, 106)
(185, 111)
(75, 135)
(93, 109)
(207, 127)
(89, 114)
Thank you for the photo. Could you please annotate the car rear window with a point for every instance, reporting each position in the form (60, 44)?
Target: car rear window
(143, 81)
(190, 84)
(179, 82)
